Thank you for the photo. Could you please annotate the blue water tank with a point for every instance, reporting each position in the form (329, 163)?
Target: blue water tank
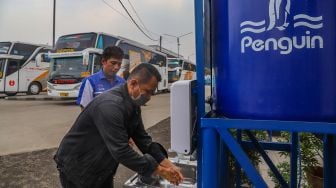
(275, 59)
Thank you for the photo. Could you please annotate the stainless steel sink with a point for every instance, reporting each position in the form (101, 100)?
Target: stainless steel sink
(188, 169)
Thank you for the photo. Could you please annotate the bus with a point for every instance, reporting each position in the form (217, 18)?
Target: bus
(23, 68)
(174, 69)
(180, 69)
(136, 53)
(188, 70)
(77, 56)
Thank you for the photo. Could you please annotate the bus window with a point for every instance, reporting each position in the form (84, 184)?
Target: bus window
(125, 48)
(2, 66)
(4, 47)
(146, 56)
(23, 49)
(76, 42)
(45, 57)
(180, 63)
(158, 60)
(193, 67)
(129, 50)
(67, 67)
(173, 65)
(12, 66)
(109, 41)
(133, 54)
(186, 66)
(163, 60)
(97, 63)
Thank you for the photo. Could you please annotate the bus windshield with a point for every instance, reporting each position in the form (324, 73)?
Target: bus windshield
(4, 47)
(173, 63)
(2, 66)
(67, 68)
(173, 76)
(26, 50)
(76, 42)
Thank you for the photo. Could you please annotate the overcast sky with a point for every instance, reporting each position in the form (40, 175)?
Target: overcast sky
(31, 20)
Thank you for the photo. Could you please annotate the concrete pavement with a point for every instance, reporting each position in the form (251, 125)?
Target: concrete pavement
(35, 125)
(37, 168)
(41, 97)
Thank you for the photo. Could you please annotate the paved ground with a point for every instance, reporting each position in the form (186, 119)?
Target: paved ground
(37, 170)
(34, 125)
(2, 96)
(27, 125)
(31, 128)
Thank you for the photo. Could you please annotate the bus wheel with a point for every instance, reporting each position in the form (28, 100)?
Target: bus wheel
(34, 88)
(10, 94)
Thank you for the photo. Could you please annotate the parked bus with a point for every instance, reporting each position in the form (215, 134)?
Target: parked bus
(174, 69)
(180, 69)
(188, 70)
(136, 53)
(23, 68)
(77, 56)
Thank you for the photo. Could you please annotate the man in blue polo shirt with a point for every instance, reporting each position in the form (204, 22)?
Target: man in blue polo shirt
(103, 80)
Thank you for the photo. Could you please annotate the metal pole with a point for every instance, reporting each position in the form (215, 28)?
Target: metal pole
(199, 40)
(210, 159)
(54, 10)
(178, 47)
(329, 164)
(178, 41)
(293, 158)
(160, 43)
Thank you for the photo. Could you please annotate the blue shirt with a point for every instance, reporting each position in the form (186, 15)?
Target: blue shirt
(95, 85)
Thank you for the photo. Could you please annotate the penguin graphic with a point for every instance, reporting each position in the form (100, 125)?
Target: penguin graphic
(278, 14)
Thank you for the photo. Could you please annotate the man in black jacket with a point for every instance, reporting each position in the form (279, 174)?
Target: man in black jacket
(90, 152)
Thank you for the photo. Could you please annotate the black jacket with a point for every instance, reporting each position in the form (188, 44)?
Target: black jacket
(98, 141)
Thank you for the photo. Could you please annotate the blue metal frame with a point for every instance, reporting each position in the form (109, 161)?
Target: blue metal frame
(222, 126)
(214, 139)
(329, 161)
(198, 9)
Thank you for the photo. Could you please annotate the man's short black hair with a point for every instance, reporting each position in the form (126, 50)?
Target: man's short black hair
(145, 71)
(112, 52)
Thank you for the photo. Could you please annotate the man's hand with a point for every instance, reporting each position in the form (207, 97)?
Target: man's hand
(169, 172)
(167, 163)
(131, 142)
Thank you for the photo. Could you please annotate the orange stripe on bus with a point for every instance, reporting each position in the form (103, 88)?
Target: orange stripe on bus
(44, 74)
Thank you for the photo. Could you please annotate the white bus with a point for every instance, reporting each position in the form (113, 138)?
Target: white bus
(136, 53)
(174, 69)
(180, 69)
(77, 56)
(188, 70)
(23, 68)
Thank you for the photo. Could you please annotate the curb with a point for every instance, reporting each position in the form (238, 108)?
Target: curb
(23, 98)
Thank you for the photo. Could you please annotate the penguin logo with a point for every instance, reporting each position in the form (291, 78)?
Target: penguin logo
(278, 11)
(280, 17)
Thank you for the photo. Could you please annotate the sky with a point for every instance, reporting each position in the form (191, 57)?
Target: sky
(31, 20)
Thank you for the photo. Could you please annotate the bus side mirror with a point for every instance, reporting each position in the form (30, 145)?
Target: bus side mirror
(38, 59)
(85, 58)
(45, 58)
